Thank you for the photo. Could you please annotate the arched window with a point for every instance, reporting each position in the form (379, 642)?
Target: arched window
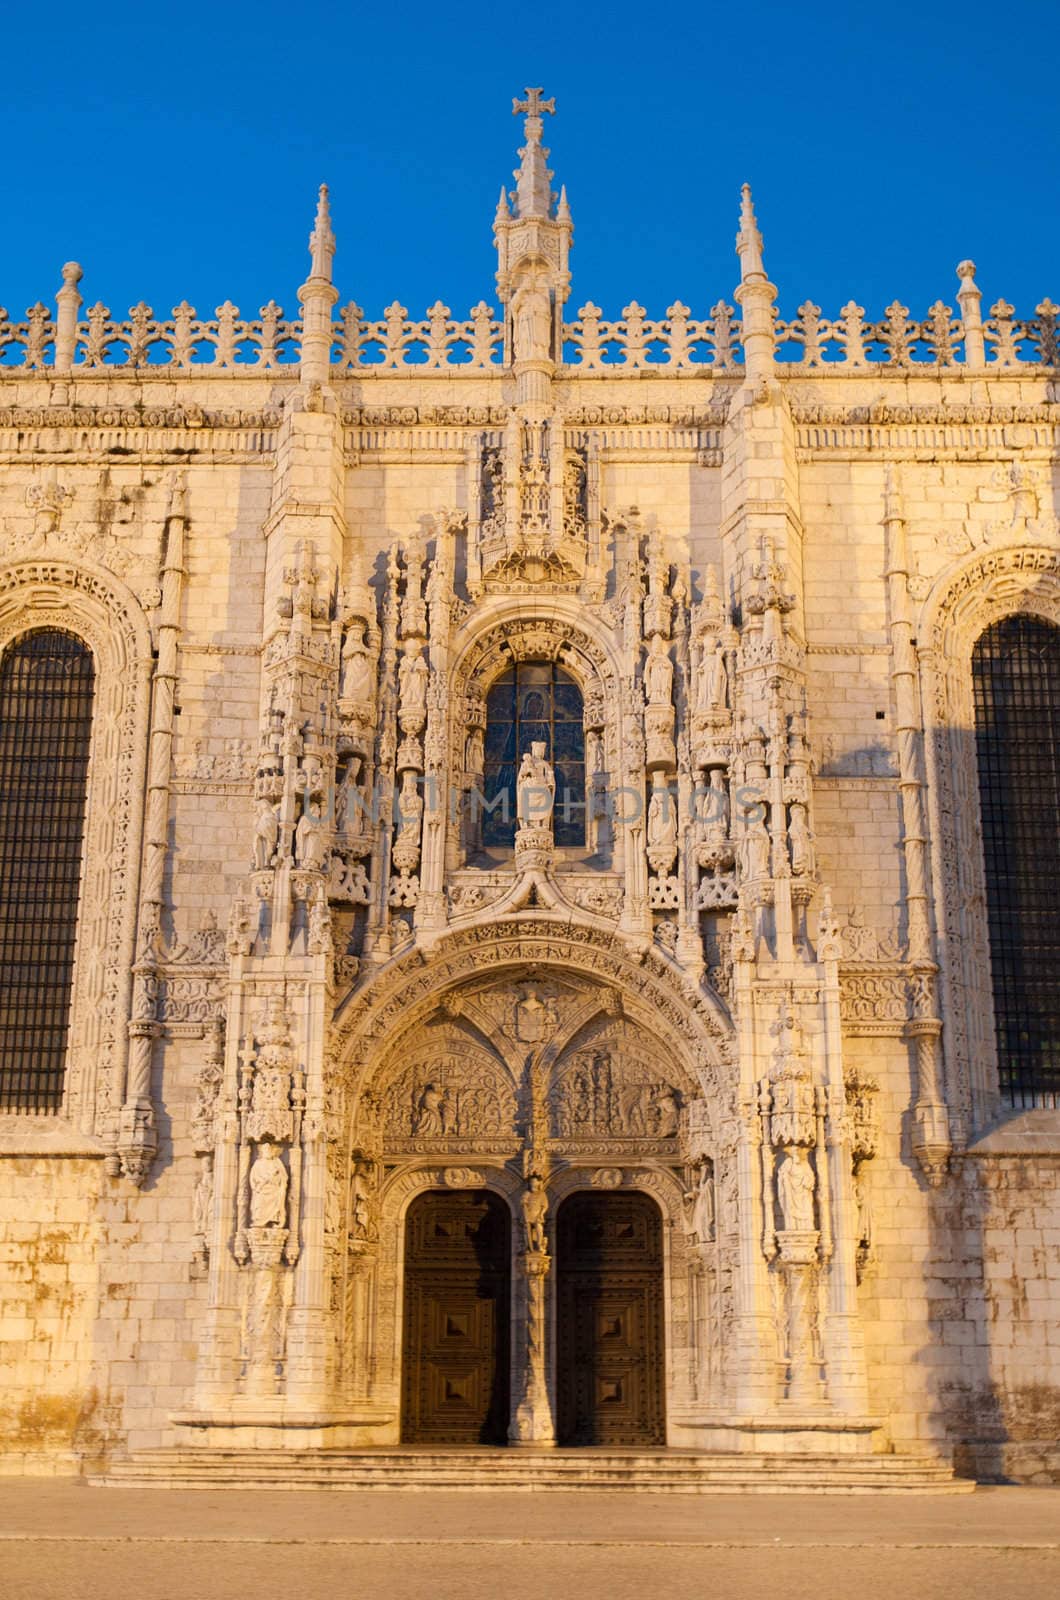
(46, 686)
(1016, 676)
(534, 702)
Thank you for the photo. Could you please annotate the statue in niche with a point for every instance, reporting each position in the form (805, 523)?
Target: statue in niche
(360, 1205)
(319, 926)
(535, 1210)
(266, 836)
(666, 1112)
(350, 807)
(474, 750)
(754, 851)
(802, 851)
(536, 785)
(717, 809)
(203, 1199)
(412, 678)
(356, 666)
(431, 1112)
(703, 1205)
(795, 1190)
(268, 1188)
(310, 840)
(658, 672)
(532, 323)
(662, 816)
(714, 680)
(409, 809)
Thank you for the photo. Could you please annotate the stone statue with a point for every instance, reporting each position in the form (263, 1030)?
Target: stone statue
(310, 840)
(662, 816)
(203, 1198)
(532, 324)
(412, 679)
(802, 851)
(666, 1112)
(535, 1210)
(717, 808)
(409, 808)
(356, 666)
(474, 750)
(754, 852)
(360, 1207)
(536, 787)
(319, 926)
(268, 1188)
(658, 672)
(350, 807)
(430, 1114)
(795, 1190)
(703, 1205)
(266, 836)
(714, 680)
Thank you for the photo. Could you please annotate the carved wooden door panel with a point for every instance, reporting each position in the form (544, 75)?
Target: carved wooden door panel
(609, 1321)
(455, 1386)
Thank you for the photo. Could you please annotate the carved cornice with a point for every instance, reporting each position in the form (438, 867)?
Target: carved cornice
(908, 430)
(155, 431)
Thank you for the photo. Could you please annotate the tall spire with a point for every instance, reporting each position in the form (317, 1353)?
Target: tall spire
(749, 239)
(317, 297)
(322, 240)
(533, 239)
(533, 196)
(755, 295)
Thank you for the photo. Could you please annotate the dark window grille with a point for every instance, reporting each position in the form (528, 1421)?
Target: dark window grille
(46, 687)
(534, 702)
(1016, 675)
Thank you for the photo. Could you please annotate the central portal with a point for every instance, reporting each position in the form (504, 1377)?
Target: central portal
(455, 1385)
(609, 1321)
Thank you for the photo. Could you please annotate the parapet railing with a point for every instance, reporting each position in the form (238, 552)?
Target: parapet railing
(938, 340)
(676, 343)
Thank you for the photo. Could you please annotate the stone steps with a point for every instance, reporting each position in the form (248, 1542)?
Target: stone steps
(662, 1471)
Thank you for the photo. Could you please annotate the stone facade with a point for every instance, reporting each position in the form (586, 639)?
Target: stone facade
(302, 553)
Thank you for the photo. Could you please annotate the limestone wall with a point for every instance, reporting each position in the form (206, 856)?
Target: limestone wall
(101, 1308)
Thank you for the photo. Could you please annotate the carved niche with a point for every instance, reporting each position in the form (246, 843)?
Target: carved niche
(453, 1097)
(610, 1094)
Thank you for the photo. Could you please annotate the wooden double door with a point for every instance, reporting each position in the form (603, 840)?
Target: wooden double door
(609, 1344)
(610, 1349)
(455, 1360)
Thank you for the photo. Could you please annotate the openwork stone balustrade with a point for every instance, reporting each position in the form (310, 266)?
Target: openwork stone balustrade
(676, 343)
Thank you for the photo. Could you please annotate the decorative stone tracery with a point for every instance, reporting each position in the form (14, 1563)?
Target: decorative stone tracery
(965, 600)
(98, 609)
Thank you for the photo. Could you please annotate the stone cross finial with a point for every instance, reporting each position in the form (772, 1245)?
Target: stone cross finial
(533, 197)
(533, 105)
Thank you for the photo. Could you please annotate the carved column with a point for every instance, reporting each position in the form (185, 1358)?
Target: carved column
(931, 1133)
(137, 1136)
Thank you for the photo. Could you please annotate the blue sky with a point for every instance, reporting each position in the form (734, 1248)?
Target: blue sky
(175, 150)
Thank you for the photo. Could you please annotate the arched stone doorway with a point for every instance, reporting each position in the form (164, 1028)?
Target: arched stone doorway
(610, 1339)
(531, 1052)
(456, 1338)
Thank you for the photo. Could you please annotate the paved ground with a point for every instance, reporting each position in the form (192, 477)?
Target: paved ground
(60, 1538)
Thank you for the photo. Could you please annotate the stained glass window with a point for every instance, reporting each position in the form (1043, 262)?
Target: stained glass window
(534, 702)
(46, 687)
(1016, 675)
